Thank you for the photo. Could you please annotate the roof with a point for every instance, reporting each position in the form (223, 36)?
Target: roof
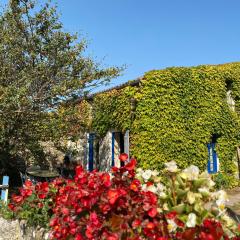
(90, 97)
(131, 83)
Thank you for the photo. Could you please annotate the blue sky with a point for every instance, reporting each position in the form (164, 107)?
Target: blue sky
(155, 34)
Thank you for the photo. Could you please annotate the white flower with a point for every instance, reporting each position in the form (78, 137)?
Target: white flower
(205, 174)
(229, 221)
(191, 221)
(171, 167)
(191, 173)
(191, 197)
(146, 175)
(161, 187)
(165, 207)
(152, 188)
(221, 204)
(155, 173)
(139, 170)
(220, 195)
(204, 190)
(172, 226)
(159, 210)
(211, 183)
(162, 195)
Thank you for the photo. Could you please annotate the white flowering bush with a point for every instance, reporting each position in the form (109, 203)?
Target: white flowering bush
(189, 194)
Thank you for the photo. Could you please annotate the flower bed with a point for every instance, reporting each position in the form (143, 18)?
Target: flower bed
(129, 204)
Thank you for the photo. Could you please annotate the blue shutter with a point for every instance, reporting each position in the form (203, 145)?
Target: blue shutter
(113, 142)
(91, 151)
(212, 166)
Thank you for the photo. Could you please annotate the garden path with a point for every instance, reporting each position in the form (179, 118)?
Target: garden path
(234, 199)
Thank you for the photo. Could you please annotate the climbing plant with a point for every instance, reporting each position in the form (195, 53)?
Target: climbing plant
(178, 112)
(112, 110)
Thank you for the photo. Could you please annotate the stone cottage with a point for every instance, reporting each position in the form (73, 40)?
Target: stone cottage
(186, 114)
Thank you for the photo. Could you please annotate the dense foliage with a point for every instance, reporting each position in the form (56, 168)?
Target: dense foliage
(112, 110)
(128, 205)
(179, 110)
(41, 66)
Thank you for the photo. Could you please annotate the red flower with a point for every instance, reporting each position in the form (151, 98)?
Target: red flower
(12, 206)
(150, 225)
(79, 170)
(65, 211)
(79, 237)
(106, 179)
(105, 208)
(123, 157)
(149, 184)
(152, 212)
(135, 184)
(28, 183)
(94, 219)
(40, 205)
(189, 234)
(53, 222)
(136, 223)
(42, 187)
(131, 165)
(17, 199)
(113, 237)
(179, 223)
(171, 215)
(113, 195)
(42, 195)
(26, 192)
(115, 169)
(211, 230)
(206, 236)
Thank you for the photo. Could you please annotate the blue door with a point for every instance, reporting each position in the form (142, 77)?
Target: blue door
(91, 151)
(213, 163)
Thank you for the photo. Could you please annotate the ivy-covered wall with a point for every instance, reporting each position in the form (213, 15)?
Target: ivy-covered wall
(112, 110)
(178, 111)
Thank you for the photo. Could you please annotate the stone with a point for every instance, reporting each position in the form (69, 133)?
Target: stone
(18, 230)
(10, 230)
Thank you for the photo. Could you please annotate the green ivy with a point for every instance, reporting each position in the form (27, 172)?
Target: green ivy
(178, 111)
(112, 110)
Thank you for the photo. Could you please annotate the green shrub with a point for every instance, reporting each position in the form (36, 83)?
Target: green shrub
(5, 212)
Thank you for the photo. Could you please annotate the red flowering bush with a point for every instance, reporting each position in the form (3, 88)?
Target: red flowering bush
(94, 206)
(35, 202)
(102, 206)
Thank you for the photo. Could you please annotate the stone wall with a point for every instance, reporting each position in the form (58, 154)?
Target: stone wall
(105, 152)
(17, 230)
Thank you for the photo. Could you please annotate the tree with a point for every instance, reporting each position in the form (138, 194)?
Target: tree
(41, 66)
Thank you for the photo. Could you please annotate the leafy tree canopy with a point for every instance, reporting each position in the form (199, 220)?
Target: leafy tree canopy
(41, 66)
